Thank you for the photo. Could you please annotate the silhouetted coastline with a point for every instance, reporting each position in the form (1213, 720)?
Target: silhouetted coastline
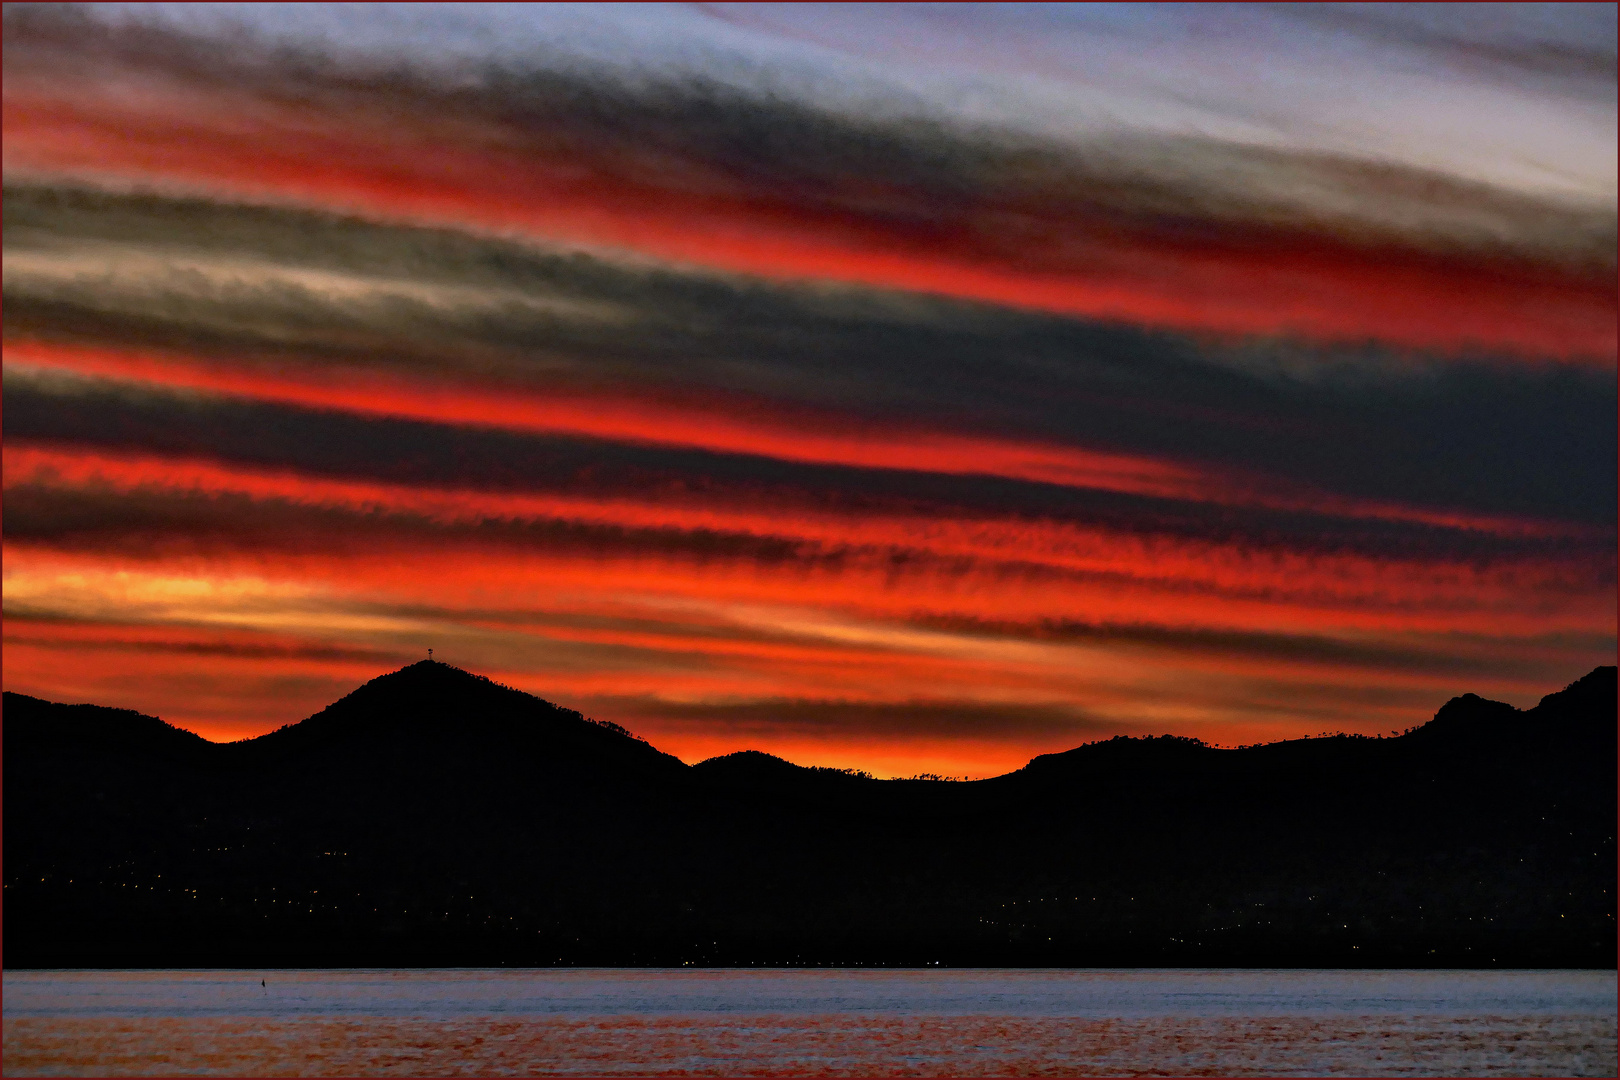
(435, 818)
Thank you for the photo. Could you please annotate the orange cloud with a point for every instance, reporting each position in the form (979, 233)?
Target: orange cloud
(887, 563)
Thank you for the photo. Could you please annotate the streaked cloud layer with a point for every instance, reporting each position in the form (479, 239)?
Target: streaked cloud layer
(913, 388)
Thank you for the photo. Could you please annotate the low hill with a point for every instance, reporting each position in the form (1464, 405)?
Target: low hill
(435, 817)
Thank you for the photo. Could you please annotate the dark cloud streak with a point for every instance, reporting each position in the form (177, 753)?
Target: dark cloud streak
(1483, 435)
(415, 454)
(1461, 658)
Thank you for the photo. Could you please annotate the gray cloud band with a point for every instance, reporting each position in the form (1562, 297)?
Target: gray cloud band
(931, 179)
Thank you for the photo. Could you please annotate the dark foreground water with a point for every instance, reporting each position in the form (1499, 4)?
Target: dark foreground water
(810, 1022)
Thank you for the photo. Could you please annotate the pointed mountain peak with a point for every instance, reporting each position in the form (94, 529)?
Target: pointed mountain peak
(448, 706)
(432, 675)
(430, 690)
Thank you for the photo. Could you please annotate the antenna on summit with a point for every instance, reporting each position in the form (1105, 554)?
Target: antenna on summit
(430, 655)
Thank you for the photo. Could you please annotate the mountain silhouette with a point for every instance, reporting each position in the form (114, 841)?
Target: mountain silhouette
(432, 708)
(435, 817)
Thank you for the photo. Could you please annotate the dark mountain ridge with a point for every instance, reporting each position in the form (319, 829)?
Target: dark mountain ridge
(436, 817)
(38, 724)
(464, 717)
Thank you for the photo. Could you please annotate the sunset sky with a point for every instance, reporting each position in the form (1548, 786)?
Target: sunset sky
(910, 388)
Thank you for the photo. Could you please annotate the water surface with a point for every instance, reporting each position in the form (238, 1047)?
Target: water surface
(804, 1022)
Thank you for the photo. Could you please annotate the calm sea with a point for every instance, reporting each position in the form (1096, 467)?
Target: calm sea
(842, 1022)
